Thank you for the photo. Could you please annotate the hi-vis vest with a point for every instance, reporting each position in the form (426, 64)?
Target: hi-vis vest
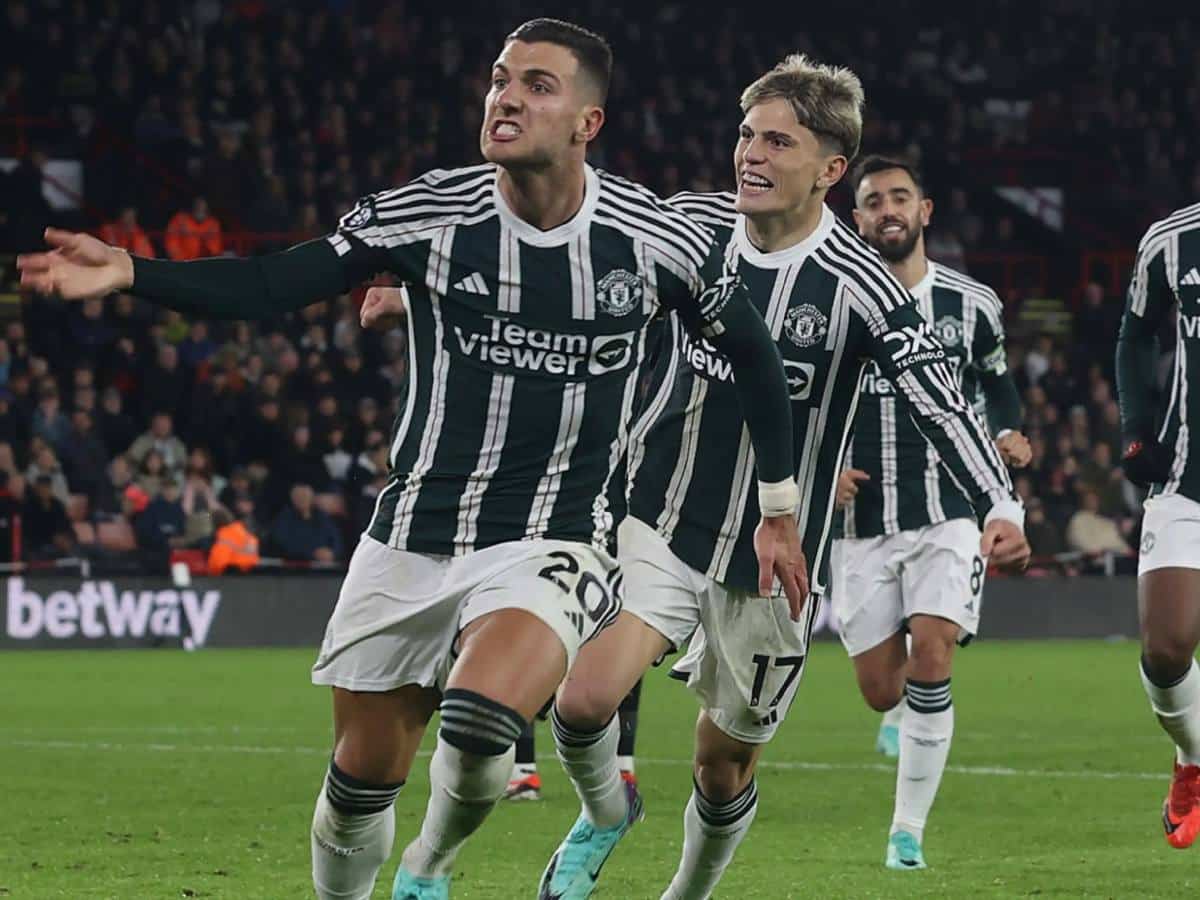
(234, 546)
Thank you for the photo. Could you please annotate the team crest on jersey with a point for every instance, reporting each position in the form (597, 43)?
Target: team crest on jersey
(357, 218)
(806, 325)
(949, 331)
(619, 292)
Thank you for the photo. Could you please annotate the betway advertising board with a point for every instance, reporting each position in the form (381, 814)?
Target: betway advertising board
(68, 613)
(291, 611)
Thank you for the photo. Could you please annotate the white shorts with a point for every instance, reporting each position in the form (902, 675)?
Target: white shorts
(399, 613)
(1170, 534)
(878, 583)
(746, 655)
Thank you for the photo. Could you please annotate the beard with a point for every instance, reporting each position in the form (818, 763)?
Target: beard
(898, 252)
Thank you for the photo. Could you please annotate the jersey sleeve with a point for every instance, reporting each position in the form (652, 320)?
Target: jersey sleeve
(990, 360)
(900, 340)
(718, 308)
(1148, 300)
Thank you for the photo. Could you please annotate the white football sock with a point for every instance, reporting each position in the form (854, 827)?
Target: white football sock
(925, 733)
(590, 761)
(1178, 711)
(463, 789)
(350, 845)
(711, 835)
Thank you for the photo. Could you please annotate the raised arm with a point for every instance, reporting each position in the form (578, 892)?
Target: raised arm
(1144, 459)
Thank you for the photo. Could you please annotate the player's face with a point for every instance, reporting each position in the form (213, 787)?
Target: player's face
(890, 213)
(538, 108)
(778, 163)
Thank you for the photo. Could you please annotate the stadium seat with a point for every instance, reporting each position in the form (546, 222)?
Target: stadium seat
(195, 560)
(77, 507)
(116, 536)
(331, 504)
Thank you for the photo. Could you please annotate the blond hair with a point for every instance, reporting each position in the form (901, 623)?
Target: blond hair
(827, 100)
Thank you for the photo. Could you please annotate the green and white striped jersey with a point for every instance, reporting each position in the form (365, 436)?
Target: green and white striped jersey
(524, 350)
(832, 305)
(1166, 280)
(908, 485)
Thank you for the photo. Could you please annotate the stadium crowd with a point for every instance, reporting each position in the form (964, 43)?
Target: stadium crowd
(127, 433)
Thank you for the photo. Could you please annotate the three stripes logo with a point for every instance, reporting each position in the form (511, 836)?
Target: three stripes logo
(472, 284)
(1191, 279)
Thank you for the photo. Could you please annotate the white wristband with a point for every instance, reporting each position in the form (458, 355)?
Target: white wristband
(1007, 509)
(778, 498)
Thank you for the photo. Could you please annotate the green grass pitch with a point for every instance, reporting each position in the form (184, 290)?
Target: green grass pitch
(160, 774)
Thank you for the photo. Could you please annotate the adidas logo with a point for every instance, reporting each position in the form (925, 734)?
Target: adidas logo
(473, 284)
(1192, 278)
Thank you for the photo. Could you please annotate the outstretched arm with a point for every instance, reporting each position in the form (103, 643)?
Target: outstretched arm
(80, 266)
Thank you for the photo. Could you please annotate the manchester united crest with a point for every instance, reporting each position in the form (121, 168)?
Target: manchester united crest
(805, 325)
(619, 292)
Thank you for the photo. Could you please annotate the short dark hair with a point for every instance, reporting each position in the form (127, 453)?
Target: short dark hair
(877, 162)
(590, 49)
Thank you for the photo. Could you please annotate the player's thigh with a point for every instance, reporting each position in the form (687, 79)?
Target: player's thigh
(386, 644)
(1169, 577)
(394, 624)
(607, 669)
(943, 575)
(867, 600)
(530, 606)
(746, 660)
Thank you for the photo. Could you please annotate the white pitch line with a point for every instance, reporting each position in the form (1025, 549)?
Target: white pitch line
(781, 765)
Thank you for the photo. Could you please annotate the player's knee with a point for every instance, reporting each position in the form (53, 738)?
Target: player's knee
(586, 705)
(881, 691)
(474, 754)
(720, 780)
(931, 655)
(361, 754)
(1166, 657)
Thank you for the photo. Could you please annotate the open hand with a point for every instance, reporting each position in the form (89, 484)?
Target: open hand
(777, 545)
(79, 267)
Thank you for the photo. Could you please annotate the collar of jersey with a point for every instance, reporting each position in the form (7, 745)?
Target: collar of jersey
(780, 258)
(560, 234)
(923, 287)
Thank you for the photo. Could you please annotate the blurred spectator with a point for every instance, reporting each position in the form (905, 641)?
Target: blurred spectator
(337, 460)
(240, 499)
(1092, 532)
(199, 499)
(84, 456)
(166, 385)
(45, 529)
(160, 438)
(49, 421)
(1044, 539)
(10, 511)
(13, 425)
(111, 493)
(160, 526)
(153, 474)
(116, 428)
(45, 464)
(303, 531)
(8, 465)
(127, 234)
(197, 347)
(234, 546)
(194, 233)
